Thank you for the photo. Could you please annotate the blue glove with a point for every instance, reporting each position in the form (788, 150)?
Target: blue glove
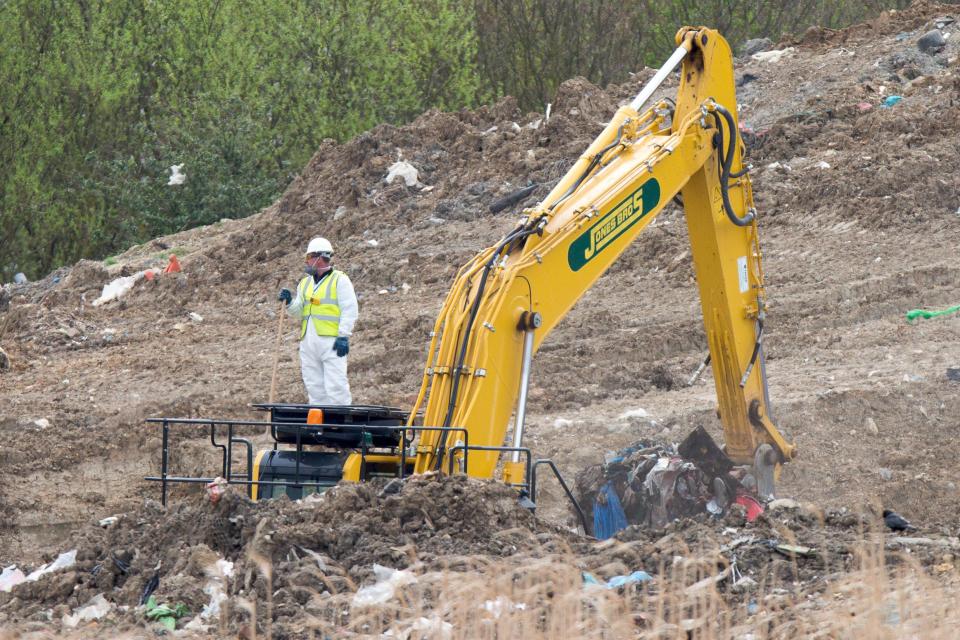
(285, 296)
(342, 346)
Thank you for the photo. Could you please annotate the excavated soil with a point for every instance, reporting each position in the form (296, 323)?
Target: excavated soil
(860, 221)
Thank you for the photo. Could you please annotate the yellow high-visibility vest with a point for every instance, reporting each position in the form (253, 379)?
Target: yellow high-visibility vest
(320, 303)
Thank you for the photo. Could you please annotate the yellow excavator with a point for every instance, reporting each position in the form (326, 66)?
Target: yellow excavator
(507, 299)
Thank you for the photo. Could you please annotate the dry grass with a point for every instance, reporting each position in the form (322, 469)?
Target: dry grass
(481, 597)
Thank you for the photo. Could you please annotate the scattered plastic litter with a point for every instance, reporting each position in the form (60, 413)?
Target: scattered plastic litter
(772, 56)
(608, 515)
(432, 627)
(753, 507)
(216, 489)
(373, 243)
(108, 522)
(953, 373)
(793, 550)
(589, 580)
(636, 576)
(165, 615)
(502, 605)
(64, 561)
(215, 587)
(151, 585)
(932, 42)
(117, 288)
(864, 106)
(890, 101)
(633, 413)
(176, 177)
(95, 609)
(11, 577)
(913, 314)
(173, 266)
(19, 278)
(388, 581)
(405, 171)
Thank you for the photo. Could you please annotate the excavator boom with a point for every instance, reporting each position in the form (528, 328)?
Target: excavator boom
(505, 302)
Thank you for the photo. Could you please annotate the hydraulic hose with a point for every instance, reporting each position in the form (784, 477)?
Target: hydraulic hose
(756, 351)
(517, 234)
(726, 164)
(586, 172)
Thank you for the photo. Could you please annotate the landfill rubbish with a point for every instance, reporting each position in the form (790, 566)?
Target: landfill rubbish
(502, 605)
(11, 577)
(651, 484)
(20, 278)
(432, 627)
(166, 616)
(772, 56)
(176, 177)
(216, 489)
(173, 266)
(95, 609)
(890, 101)
(589, 580)
(932, 42)
(512, 199)
(151, 585)
(405, 171)
(388, 581)
(64, 561)
(608, 515)
(794, 550)
(913, 314)
(117, 288)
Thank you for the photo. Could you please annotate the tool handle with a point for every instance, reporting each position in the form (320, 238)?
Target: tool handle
(276, 352)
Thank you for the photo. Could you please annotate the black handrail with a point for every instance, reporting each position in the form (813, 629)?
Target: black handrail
(226, 469)
(566, 489)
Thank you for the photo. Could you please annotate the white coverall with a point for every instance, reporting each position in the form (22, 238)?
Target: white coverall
(324, 372)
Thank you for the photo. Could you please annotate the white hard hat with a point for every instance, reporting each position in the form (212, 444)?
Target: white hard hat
(320, 245)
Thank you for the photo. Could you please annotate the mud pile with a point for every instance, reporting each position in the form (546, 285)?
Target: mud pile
(319, 556)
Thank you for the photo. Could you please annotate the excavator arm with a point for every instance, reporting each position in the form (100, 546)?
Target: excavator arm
(504, 303)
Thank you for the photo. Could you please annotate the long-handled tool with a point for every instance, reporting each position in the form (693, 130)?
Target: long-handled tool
(276, 352)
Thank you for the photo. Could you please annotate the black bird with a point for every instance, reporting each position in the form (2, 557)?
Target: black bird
(896, 522)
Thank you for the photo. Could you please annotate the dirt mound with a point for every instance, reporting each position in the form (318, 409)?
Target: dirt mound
(321, 554)
(428, 520)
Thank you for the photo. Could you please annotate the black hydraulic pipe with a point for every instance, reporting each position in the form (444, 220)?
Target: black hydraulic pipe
(512, 199)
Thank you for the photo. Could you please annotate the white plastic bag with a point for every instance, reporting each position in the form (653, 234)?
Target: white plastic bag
(388, 581)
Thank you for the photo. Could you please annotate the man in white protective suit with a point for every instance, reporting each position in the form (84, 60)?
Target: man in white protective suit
(327, 307)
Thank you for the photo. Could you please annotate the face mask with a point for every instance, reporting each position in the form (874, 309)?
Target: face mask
(310, 270)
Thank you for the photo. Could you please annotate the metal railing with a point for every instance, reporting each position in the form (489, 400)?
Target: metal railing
(528, 487)
(246, 479)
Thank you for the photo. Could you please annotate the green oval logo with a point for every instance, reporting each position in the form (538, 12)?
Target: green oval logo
(613, 224)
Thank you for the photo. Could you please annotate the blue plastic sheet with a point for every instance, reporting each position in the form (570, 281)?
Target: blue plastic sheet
(608, 515)
(616, 581)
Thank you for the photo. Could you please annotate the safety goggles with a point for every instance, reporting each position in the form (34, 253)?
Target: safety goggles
(326, 255)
